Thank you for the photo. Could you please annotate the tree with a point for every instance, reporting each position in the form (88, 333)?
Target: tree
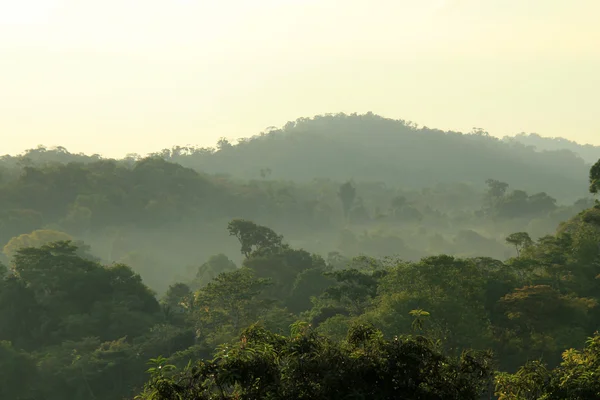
(231, 299)
(353, 289)
(34, 239)
(177, 297)
(215, 265)
(347, 194)
(496, 189)
(595, 178)
(18, 374)
(282, 266)
(540, 321)
(306, 365)
(520, 240)
(20, 314)
(397, 204)
(78, 297)
(254, 237)
(575, 379)
(307, 284)
(224, 144)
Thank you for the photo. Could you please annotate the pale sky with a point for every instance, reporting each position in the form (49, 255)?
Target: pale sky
(122, 76)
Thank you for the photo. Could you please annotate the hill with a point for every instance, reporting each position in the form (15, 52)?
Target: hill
(372, 148)
(588, 152)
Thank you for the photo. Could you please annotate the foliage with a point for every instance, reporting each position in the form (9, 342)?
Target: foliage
(347, 194)
(418, 289)
(306, 365)
(595, 178)
(576, 378)
(253, 237)
(34, 239)
(520, 240)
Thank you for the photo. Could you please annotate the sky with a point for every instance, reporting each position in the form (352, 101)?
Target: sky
(136, 76)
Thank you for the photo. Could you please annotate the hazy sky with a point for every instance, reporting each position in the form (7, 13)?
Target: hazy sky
(120, 76)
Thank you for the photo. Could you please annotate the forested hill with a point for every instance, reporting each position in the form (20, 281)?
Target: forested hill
(588, 152)
(372, 148)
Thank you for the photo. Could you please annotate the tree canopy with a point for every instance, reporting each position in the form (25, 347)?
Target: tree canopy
(373, 274)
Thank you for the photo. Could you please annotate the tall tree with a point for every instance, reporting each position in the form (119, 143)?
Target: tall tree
(253, 237)
(232, 299)
(347, 194)
(595, 178)
(520, 240)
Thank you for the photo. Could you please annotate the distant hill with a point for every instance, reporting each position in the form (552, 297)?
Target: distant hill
(588, 152)
(369, 147)
(372, 148)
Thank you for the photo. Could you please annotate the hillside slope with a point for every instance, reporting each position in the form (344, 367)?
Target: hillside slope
(588, 152)
(372, 148)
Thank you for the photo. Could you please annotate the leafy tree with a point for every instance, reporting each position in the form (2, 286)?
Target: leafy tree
(419, 319)
(283, 267)
(347, 194)
(215, 265)
(178, 296)
(18, 373)
(308, 284)
(575, 378)
(455, 292)
(20, 314)
(595, 178)
(520, 240)
(541, 321)
(80, 297)
(309, 366)
(232, 299)
(34, 239)
(353, 289)
(253, 237)
(496, 191)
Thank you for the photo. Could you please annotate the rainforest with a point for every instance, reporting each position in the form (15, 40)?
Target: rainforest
(344, 256)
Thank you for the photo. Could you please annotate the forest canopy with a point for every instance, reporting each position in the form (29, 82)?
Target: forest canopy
(343, 256)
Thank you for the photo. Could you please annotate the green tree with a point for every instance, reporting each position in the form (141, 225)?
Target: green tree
(178, 297)
(520, 240)
(253, 237)
(595, 178)
(34, 239)
(347, 195)
(81, 298)
(495, 193)
(231, 300)
(306, 365)
(308, 284)
(18, 373)
(575, 379)
(283, 267)
(353, 289)
(214, 266)
(540, 321)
